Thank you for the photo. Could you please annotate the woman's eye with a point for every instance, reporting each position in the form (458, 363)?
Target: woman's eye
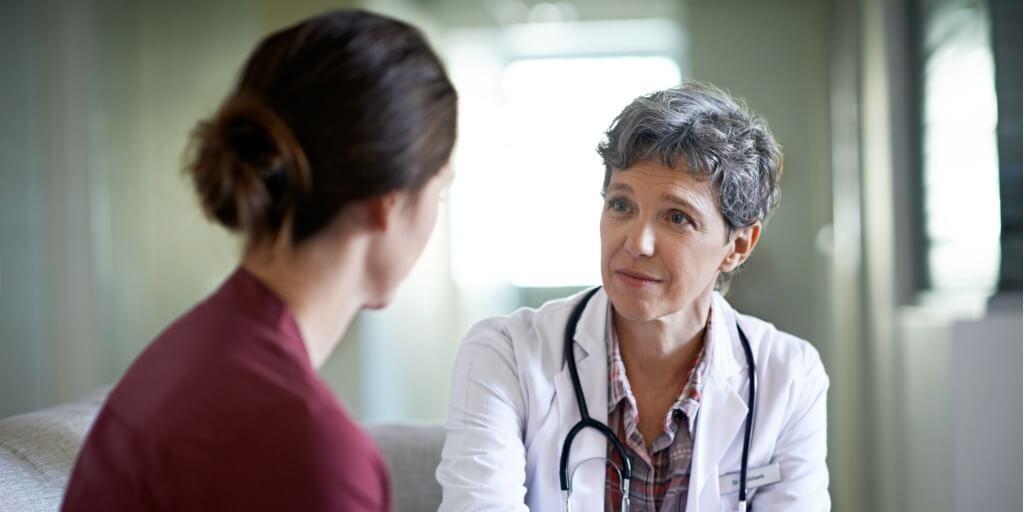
(677, 218)
(618, 205)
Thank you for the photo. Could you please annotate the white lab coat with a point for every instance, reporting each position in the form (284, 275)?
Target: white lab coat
(512, 404)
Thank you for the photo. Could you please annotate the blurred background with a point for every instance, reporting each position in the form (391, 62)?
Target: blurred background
(896, 250)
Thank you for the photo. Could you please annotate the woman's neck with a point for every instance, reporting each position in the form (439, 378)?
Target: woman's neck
(663, 349)
(322, 287)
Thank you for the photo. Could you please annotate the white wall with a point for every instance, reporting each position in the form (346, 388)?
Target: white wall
(986, 399)
(961, 390)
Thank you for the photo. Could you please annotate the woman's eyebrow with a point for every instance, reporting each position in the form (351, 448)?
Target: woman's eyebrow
(681, 201)
(620, 187)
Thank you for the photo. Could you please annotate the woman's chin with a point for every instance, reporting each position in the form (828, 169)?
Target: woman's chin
(631, 308)
(379, 303)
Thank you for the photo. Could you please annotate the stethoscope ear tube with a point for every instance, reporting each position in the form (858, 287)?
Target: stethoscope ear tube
(749, 427)
(570, 356)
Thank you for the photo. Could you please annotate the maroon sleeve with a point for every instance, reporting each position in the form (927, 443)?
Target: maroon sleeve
(107, 462)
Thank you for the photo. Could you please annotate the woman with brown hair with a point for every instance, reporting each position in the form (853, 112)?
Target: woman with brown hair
(328, 158)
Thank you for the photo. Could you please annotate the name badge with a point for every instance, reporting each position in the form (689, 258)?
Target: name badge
(756, 477)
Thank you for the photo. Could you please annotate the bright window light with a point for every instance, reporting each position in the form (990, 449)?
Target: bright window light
(526, 202)
(961, 179)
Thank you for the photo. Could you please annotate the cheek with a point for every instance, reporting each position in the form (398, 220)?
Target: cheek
(403, 248)
(694, 262)
(684, 257)
(610, 239)
(607, 254)
(422, 226)
(428, 221)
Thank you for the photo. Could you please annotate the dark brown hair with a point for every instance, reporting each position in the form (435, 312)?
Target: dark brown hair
(344, 106)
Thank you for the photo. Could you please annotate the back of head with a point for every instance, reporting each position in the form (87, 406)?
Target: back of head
(344, 106)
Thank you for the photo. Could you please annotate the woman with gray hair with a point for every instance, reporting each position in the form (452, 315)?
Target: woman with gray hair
(650, 392)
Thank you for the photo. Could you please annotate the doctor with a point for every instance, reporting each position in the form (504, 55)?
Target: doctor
(663, 362)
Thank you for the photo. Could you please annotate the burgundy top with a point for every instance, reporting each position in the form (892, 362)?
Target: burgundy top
(224, 411)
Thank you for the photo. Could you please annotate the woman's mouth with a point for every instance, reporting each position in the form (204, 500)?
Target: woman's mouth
(636, 279)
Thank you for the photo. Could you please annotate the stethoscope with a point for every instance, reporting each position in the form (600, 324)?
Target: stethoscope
(626, 472)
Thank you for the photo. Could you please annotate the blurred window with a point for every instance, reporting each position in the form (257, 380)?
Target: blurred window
(525, 207)
(960, 159)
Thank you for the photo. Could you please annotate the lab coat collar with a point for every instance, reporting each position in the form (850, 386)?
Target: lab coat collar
(722, 410)
(727, 360)
(591, 332)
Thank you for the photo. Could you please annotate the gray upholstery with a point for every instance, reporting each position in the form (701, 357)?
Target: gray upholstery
(412, 454)
(38, 449)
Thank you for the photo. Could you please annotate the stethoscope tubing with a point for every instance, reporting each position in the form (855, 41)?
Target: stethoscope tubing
(581, 402)
(749, 427)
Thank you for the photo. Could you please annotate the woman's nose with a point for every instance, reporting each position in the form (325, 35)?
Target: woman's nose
(640, 240)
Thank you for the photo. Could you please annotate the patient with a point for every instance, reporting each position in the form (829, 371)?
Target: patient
(328, 159)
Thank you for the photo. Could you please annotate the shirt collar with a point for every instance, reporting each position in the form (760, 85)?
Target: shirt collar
(688, 400)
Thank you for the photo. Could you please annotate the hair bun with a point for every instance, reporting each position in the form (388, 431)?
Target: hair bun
(248, 168)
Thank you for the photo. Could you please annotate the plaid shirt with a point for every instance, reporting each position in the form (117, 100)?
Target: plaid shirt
(661, 478)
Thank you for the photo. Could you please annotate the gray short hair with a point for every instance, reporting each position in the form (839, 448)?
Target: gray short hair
(720, 139)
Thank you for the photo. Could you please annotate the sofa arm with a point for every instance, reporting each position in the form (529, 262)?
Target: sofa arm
(38, 449)
(412, 453)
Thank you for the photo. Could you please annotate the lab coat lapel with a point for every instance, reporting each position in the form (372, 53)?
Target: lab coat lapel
(722, 409)
(591, 361)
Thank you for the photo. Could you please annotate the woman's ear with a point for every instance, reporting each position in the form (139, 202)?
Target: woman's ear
(741, 244)
(381, 211)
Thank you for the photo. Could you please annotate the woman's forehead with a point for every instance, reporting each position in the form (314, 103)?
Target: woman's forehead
(653, 178)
